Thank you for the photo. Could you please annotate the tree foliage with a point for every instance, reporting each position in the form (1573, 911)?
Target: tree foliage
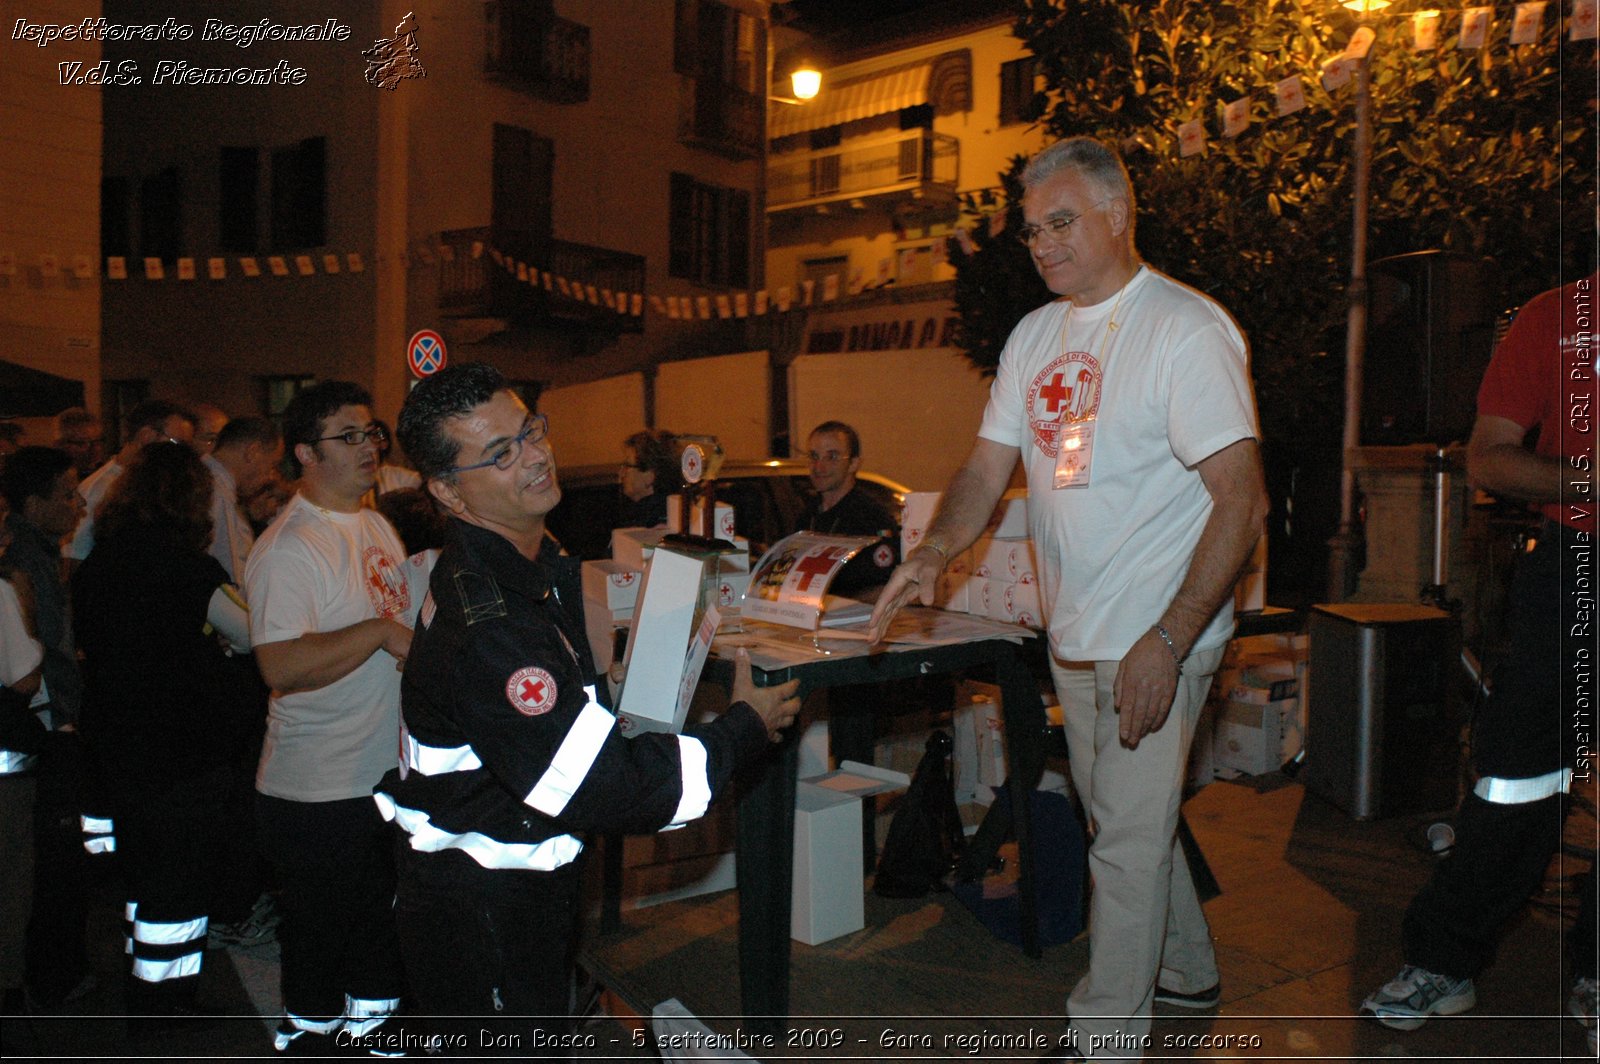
(1490, 152)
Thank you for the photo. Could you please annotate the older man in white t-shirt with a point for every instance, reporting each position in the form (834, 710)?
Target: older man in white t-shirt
(1129, 403)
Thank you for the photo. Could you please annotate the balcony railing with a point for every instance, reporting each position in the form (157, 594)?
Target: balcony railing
(915, 163)
(721, 118)
(545, 55)
(476, 286)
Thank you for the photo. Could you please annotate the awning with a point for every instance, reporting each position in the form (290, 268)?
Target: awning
(848, 101)
(28, 392)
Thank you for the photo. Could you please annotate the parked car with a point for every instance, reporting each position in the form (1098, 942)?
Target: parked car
(767, 496)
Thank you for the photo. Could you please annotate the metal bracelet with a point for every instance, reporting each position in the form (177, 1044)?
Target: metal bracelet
(1172, 647)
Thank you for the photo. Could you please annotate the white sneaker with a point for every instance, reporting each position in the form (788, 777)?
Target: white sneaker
(1405, 1002)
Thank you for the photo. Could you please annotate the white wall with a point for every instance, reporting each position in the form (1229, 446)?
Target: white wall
(917, 411)
(588, 422)
(724, 396)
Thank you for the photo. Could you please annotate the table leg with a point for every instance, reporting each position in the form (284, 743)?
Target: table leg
(1025, 737)
(765, 866)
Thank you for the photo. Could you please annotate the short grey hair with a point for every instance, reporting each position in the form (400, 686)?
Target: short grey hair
(1097, 162)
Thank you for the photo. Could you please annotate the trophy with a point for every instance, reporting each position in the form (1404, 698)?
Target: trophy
(699, 459)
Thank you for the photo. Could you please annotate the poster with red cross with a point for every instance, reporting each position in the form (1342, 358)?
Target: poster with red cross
(789, 585)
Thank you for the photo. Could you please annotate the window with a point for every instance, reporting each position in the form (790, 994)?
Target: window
(116, 194)
(238, 195)
(1019, 102)
(299, 195)
(161, 215)
(520, 201)
(709, 233)
(716, 42)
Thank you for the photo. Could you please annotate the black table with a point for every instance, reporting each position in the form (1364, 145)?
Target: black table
(764, 859)
(765, 856)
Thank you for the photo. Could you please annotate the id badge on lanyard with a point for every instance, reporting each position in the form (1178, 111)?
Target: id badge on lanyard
(1074, 452)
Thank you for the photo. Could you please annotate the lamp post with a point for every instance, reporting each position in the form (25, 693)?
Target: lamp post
(1341, 559)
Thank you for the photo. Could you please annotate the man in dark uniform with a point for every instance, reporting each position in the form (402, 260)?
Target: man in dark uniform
(507, 756)
(840, 508)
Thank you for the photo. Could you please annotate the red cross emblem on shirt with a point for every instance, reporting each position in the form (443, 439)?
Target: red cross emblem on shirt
(531, 691)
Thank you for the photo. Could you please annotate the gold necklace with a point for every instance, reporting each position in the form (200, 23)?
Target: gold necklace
(1105, 339)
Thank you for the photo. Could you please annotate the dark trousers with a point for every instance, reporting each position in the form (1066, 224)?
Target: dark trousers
(334, 861)
(1532, 724)
(57, 953)
(489, 951)
(168, 838)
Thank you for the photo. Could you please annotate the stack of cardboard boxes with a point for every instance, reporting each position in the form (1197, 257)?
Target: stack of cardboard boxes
(998, 576)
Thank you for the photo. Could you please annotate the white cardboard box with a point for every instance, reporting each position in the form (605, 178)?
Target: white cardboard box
(658, 642)
(1002, 600)
(611, 584)
(1009, 520)
(632, 546)
(723, 520)
(829, 882)
(1255, 738)
(1006, 559)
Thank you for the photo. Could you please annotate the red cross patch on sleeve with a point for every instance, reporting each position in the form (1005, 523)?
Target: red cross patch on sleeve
(531, 691)
(883, 557)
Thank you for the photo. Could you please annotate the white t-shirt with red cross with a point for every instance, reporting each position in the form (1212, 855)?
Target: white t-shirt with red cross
(317, 570)
(1167, 387)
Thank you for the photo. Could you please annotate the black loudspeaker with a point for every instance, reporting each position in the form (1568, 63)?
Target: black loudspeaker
(1430, 331)
(1382, 723)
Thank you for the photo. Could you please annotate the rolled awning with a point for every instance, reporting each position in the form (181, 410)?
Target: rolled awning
(879, 94)
(28, 392)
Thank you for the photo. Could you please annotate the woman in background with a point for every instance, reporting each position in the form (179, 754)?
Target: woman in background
(165, 709)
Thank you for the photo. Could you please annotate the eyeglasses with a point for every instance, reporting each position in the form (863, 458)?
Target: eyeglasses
(534, 431)
(356, 437)
(1057, 229)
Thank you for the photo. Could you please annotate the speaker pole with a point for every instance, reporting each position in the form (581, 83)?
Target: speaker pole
(1341, 559)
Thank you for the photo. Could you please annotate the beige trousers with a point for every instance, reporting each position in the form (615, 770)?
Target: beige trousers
(1145, 922)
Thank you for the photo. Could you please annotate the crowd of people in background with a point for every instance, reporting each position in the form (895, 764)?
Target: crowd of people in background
(135, 733)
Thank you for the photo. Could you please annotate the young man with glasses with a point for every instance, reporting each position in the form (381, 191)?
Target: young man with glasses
(1129, 403)
(329, 617)
(509, 759)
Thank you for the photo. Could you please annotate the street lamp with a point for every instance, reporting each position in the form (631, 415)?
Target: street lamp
(805, 82)
(1341, 560)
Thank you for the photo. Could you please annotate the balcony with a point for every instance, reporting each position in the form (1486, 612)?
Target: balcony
(915, 165)
(541, 54)
(720, 118)
(475, 286)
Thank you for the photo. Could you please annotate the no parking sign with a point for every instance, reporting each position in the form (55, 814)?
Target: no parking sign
(425, 353)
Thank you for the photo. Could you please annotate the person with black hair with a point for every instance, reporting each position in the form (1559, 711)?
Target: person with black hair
(509, 757)
(328, 608)
(165, 709)
(649, 476)
(40, 487)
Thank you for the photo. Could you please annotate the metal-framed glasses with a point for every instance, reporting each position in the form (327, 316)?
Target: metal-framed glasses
(356, 437)
(1057, 228)
(507, 454)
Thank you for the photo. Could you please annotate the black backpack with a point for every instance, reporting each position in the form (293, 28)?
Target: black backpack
(925, 836)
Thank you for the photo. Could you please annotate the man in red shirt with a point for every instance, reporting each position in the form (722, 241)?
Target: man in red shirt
(1537, 730)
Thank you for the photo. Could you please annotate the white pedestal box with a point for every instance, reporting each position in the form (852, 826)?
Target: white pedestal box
(828, 878)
